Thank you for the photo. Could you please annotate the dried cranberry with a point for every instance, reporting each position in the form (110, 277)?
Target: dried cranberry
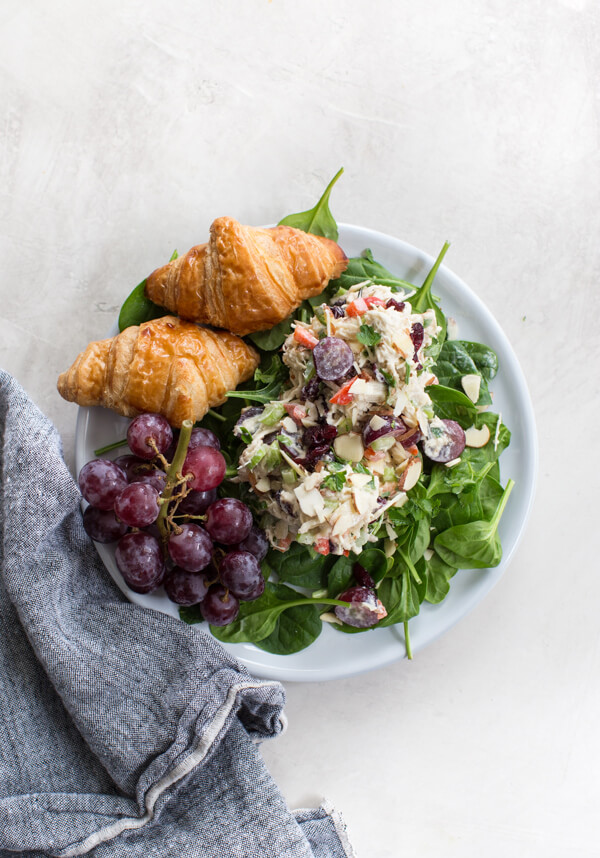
(417, 333)
(314, 455)
(397, 305)
(311, 390)
(285, 506)
(318, 435)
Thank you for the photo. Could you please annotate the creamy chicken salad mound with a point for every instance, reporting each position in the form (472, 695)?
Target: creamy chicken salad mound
(337, 450)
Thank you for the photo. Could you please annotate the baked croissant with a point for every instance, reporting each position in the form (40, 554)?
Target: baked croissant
(167, 366)
(246, 279)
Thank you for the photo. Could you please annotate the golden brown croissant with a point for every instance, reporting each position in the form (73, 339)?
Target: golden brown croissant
(246, 279)
(168, 366)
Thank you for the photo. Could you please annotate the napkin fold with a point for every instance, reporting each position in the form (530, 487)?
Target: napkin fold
(123, 732)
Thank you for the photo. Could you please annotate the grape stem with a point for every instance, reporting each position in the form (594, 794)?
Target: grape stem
(174, 477)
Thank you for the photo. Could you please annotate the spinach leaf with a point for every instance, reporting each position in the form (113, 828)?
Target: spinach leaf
(374, 561)
(453, 363)
(424, 300)
(340, 576)
(402, 596)
(190, 614)
(475, 545)
(451, 404)
(273, 372)
(364, 267)
(295, 628)
(137, 308)
(257, 619)
(484, 358)
(274, 338)
(437, 575)
(318, 220)
(299, 566)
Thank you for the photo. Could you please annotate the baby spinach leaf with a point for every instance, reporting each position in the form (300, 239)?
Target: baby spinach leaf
(475, 545)
(453, 363)
(272, 372)
(368, 336)
(318, 220)
(437, 575)
(257, 619)
(484, 358)
(137, 308)
(299, 566)
(274, 338)
(340, 576)
(424, 300)
(364, 267)
(374, 561)
(295, 629)
(451, 404)
(190, 614)
(402, 598)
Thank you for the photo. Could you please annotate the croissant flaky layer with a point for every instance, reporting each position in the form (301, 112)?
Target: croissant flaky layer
(246, 278)
(167, 366)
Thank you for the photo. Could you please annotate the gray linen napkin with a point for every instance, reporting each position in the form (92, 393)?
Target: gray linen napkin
(123, 732)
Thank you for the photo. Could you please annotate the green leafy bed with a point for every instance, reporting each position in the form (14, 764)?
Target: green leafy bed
(450, 521)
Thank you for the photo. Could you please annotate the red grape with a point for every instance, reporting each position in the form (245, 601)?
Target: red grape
(185, 588)
(207, 467)
(191, 548)
(219, 608)
(228, 521)
(240, 573)
(196, 503)
(140, 561)
(364, 609)
(102, 525)
(333, 358)
(391, 426)
(132, 465)
(137, 505)
(146, 428)
(153, 477)
(203, 438)
(256, 543)
(452, 444)
(101, 482)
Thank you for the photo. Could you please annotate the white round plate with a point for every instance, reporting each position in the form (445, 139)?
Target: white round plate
(335, 655)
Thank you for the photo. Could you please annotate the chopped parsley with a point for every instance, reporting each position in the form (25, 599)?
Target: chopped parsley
(368, 336)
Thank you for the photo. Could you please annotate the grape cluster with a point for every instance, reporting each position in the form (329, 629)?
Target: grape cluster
(151, 510)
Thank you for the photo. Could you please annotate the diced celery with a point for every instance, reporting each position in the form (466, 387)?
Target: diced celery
(272, 414)
(389, 475)
(257, 457)
(272, 457)
(383, 443)
(288, 476)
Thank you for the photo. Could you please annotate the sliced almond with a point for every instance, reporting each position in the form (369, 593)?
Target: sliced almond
(471, 384)
(349, 447)
(410, 476)
(477, 437)
(452, 329)
(329, 617)
(263, 485)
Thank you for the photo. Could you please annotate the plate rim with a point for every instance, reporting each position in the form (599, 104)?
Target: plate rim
(282, 667)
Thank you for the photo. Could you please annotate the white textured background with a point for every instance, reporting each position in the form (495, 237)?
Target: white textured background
(126, 127)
